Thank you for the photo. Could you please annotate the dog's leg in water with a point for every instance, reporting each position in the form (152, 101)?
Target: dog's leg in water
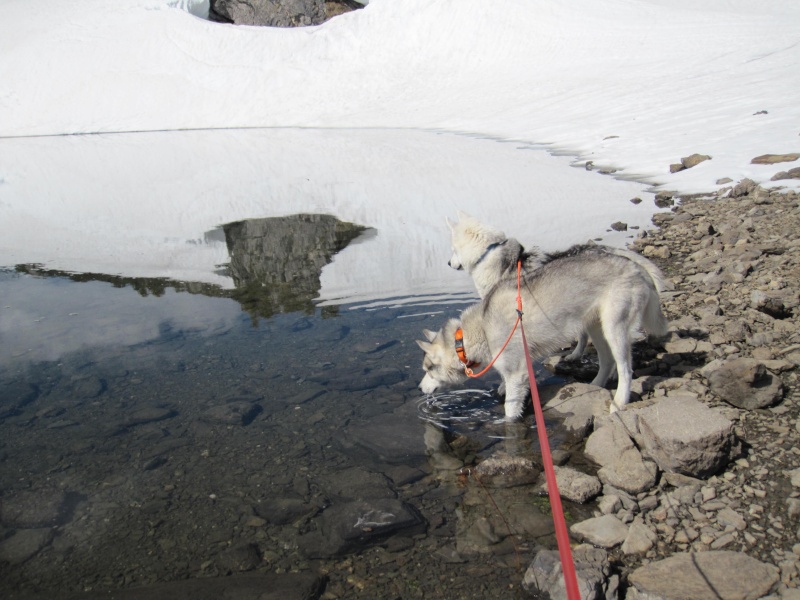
(517, 390)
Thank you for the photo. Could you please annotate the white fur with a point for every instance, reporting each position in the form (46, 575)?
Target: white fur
(470, 240)
(605, 294)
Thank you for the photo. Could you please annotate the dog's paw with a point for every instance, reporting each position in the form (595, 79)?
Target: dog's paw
(501, 389)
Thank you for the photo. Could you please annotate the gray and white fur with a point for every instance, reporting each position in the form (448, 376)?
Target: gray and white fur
(490, 257)
(607, 295)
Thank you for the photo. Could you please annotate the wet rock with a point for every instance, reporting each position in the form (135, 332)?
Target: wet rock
(745, 383)
(148, 414)
(352, 526)
(712, 575)
(282, 511)
(574, 485)
(582, 368)
(263, 586)
(545, 575)
(402, 474)
(24, 544)
(606, 531)
(239, 558)
(365, 379)
(88, 387)
(237, 412)
(358, 483)
(577, 404)
(685, 436)
(15, 395)
(397, 437)
(33, 509)
(619, 226)
(503, 471)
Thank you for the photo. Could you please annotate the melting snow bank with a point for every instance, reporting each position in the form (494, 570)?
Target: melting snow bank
(630, 85)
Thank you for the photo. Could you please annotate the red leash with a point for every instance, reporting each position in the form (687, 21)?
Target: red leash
(562, 535)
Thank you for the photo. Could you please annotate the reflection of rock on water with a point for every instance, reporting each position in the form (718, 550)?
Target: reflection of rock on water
(276, 262)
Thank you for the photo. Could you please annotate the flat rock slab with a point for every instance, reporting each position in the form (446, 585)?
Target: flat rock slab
(271, 586)
(606, 531)
(396, 438)
(575, 486)
(238, 412)
(577, 404)
(771, 159)
(357, 483)
(30, 510)
(366, 379)
(713, 575)
(23, 544)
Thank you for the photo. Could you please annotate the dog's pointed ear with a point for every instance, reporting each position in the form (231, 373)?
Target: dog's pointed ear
(462, 216)
(426, 346)
(450, 224)
(430, 335)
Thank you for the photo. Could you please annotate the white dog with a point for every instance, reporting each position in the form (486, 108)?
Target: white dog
(489, 257)
(605, 294)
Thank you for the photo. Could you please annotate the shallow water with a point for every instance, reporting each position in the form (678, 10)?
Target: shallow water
(148, 456)
(156, 430)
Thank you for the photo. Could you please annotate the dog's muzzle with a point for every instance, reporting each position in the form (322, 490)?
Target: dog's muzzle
(457, 268)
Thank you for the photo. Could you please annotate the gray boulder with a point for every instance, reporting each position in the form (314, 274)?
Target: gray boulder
(279, 13)
(606, 531)
(574, 485)
(745, 383)
(622, 465)
(504, 471)
(545, 576)
(683, 435)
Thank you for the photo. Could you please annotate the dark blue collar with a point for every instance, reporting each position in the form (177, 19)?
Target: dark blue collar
(489, 248)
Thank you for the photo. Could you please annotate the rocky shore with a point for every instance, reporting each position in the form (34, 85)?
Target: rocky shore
(699, 480)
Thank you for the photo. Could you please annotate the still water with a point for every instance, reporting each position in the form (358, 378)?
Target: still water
(156, 430)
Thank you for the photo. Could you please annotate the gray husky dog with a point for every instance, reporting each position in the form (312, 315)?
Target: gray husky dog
(604, 294)
(489, 257)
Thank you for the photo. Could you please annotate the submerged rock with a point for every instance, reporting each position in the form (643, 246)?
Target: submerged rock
(352, 526)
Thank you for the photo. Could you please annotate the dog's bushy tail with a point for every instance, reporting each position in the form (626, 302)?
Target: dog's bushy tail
(654, 322)
(652, 270)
